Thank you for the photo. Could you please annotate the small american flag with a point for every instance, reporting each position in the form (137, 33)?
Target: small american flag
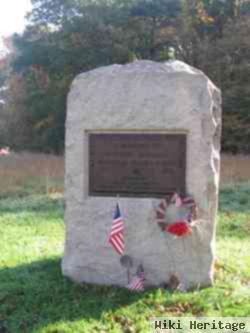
(137, 283)
(116, 238)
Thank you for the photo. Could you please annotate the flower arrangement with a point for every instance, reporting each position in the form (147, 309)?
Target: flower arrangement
(184, 219)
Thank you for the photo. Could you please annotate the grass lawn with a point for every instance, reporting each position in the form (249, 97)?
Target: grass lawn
(34, 297)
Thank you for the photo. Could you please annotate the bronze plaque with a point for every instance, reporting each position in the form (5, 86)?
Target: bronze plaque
(137, 165)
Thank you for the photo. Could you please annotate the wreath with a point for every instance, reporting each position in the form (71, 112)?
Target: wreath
(186, 219)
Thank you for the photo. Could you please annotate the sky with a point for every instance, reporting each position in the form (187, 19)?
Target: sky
(12, 13)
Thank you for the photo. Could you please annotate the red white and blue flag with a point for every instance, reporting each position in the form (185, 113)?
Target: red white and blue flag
(116, 237)
(137, 283)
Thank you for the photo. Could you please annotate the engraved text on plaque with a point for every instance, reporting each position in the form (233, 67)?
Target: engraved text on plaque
(139, 165)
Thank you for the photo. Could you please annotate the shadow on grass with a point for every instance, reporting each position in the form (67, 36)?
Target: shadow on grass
(35, 295)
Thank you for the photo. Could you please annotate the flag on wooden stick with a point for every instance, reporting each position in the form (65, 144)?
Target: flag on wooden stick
(137, 283)
(116, 238)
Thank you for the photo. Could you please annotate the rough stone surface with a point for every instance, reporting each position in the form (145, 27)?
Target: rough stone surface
(147, 96)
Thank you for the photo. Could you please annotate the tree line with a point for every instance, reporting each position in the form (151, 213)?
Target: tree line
(66, 37)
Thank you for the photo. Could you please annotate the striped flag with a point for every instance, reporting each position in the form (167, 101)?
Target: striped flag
(137, 283)
(116, 238)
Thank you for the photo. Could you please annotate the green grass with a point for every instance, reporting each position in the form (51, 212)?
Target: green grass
(35, 297)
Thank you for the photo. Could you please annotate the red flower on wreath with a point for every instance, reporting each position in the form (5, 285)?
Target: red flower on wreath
(179, 228)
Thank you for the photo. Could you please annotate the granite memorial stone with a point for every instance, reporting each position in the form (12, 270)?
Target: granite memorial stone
(137, 133)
